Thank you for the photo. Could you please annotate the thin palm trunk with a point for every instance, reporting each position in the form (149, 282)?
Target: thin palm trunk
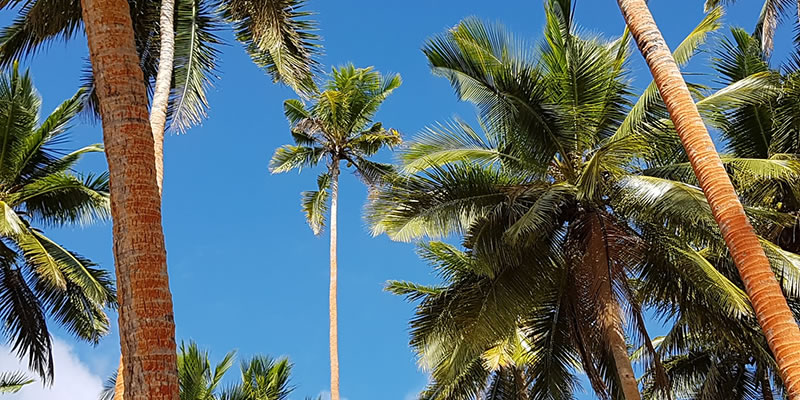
(158, 112)
(334, 312)
(147, 329)
(596, 270)
(119, 384)
(770, 306)
(519, 382)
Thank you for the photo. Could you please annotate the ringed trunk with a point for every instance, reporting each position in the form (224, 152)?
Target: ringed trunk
(772, 311)
(334, 311)
(147, 329)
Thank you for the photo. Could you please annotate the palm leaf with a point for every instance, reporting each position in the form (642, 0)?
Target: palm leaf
(315, 204)
(12, 382)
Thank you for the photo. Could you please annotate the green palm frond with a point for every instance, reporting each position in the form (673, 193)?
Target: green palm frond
(198, 379)
(61, 198)
(279, 36)
(315, 203)
(290, 157)
(12, 382)
(411, 290)
(448, 143)
(265, 378)
(195, 62)
(24, 322)
(490, 68)
(109, 387)
(37, 25)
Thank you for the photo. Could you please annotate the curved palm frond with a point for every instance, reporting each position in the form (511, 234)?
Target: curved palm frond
(12, 382)
(279, 37)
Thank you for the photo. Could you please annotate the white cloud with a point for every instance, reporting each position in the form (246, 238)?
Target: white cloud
(73, 380)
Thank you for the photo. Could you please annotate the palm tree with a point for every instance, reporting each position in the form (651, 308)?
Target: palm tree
(772, 12)
(12, 382)
(553, 203)
(337, 127)
(277, 35)
(39, 278)
(774, 315)
(262, 377)
(147, 328)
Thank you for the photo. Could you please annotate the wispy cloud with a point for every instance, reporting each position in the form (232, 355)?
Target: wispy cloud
(73, 380)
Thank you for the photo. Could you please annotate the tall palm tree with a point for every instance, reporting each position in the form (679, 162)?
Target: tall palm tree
(558, 170)
(337, 127)
(774, 315)
(38, 277)
(147, 328)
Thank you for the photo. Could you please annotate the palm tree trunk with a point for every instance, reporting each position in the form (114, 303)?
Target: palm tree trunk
(770, 306)
(519, 382)
(596, 265)
(163, 84)
(147, 329)
(158, 118)
(334, 311)
(119, 384)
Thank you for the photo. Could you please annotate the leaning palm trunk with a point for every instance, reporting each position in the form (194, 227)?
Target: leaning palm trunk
(595, 269)
(147, 329)
(334, 311)
(772, 311)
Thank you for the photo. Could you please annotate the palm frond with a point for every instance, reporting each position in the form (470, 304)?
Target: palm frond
(288, 157)
(279, 36)
(195, 62)
(39, 22)
(315, 203)
(12, 382)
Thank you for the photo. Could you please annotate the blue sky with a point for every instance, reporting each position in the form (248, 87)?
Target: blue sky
(246, 271)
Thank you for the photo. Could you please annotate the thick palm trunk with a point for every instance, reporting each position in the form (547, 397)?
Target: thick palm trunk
(770, 306)
(147, 329)
(163, 84)
(334, 311)
(158, 118)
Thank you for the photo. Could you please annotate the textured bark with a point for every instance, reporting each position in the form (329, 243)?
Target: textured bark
(147, 329)
(770, 306)
(158, 112)
(334, 310)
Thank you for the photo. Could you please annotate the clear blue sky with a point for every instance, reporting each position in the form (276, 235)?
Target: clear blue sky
(246, 271)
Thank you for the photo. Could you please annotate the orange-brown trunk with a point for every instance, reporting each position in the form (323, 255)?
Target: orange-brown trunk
(771, 309)
(147, 329)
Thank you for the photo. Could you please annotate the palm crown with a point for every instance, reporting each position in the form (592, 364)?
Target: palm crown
(39, 277)
(338, 127)
(563, 212)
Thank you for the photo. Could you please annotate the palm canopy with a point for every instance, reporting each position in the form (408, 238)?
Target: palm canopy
(338, 126)
(277, 34)
(560, 211)
(39, 277)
